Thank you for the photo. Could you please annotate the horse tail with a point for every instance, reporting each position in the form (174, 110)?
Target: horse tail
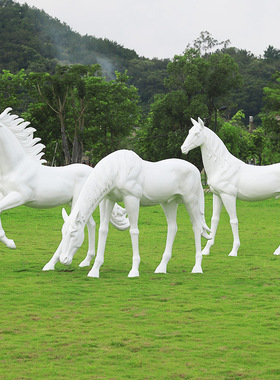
(205, 229)
(119, 218)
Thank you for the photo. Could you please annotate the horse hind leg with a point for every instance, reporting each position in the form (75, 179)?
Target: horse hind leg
(170, 210)
(217, 208)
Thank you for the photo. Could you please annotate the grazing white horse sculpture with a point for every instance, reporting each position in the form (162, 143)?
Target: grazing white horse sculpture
(124, 176)
(25, 181)
(230, 178)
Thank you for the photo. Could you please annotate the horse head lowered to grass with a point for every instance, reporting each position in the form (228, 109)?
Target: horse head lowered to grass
(124, 176)
(229, 179)
(24, 180)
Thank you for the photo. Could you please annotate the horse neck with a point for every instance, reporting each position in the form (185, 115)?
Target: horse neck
(97, 186)
(11, 151)
(214, 152)
(111, 172)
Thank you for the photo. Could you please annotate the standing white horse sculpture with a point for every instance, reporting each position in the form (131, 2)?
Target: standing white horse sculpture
(25, 181)
(229, 179)
(124, 176)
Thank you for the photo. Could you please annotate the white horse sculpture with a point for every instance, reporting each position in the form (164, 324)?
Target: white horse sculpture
(25, 181)
(229, 179)
(124, 176)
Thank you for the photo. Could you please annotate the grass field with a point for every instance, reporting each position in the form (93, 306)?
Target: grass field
(223, 324)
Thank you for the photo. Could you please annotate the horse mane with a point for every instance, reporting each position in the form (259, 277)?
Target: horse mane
(23, 134)
(219, 151)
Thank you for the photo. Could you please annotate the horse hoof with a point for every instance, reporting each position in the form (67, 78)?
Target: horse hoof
(197, 269)
(48, 267)
(84, 263)
(93, 274)
(133, 273)
(159, 269)
(11, 244)
(233, 254)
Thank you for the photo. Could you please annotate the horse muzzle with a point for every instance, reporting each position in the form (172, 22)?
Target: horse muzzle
(184, 149)
(65, 260)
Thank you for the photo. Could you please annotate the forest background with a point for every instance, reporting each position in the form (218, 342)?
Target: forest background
(88, 96)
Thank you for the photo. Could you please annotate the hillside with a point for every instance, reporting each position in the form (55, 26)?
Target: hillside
(32, 40)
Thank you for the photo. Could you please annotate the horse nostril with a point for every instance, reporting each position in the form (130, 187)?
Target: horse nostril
(63, 260)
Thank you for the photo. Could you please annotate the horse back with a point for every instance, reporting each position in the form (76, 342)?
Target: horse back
(165, 179)
(58, 185)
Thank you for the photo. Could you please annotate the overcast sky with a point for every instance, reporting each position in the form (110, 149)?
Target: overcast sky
(163, 28)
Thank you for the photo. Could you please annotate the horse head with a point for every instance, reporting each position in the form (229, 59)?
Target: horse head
(72, 236)
(195, 137)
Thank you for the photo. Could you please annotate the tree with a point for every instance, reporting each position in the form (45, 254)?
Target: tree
(113, 114)
(196, 87)
(66, 94)
(271, 112)
(12, 90)
(205, 43)
(272, 54)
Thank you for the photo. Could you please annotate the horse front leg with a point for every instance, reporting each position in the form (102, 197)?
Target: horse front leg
(55, 259)
(8, 242)
(105, 213)
(229, 202)
(91, 243)
(132, 207)
(217, 208)
(170, 210)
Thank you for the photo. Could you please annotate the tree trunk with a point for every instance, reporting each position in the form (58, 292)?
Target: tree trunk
(64, 141)
(76, 151)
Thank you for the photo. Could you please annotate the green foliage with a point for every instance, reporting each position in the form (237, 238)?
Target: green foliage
(271, 112)
(113, 115)
(233, 135)
(195, 84)
(12, 90)
(219, 325)
(256, 73)
(75, 108)
(249, 146)
(148, 76)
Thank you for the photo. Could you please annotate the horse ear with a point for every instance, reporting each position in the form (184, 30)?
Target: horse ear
(193, 121)
(200, 122)
(64, 215)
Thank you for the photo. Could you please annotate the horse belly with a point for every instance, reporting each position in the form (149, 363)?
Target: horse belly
(159, 190)
(257, 183)
(52, 191)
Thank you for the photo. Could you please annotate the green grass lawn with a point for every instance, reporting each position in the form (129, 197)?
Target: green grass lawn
(223, 324)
